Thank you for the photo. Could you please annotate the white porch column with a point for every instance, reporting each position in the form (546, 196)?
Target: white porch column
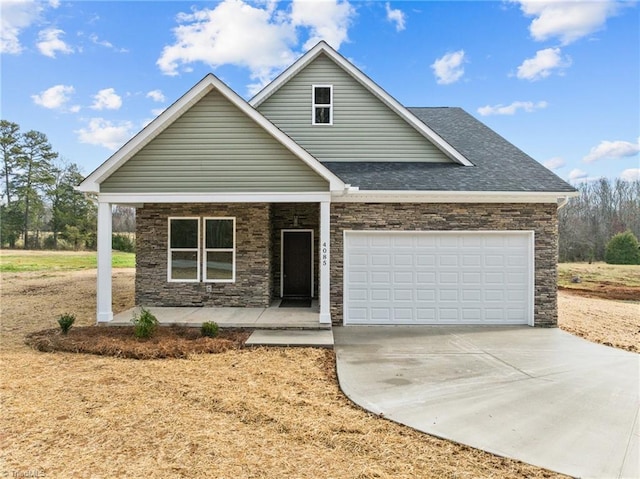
(325, 264)
(104, 262)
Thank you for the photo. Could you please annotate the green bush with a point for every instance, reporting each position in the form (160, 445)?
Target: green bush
(210, 329)
(66, 321)
(144, 324)
(123, 243)
(622, 249)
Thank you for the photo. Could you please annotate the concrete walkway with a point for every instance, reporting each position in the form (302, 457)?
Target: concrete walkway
(319, 338)
(264, 318)
(541, 396)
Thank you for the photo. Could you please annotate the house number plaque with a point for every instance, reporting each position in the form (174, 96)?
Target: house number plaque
(325, 253)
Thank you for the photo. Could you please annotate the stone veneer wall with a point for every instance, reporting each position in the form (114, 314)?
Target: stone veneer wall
(282, 216)
(539, 217)
(252, 287)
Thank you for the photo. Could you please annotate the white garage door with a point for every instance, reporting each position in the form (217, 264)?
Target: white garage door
(438, 277)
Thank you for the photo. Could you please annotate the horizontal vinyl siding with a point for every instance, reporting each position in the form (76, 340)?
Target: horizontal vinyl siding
(364, 128)
(213, 147)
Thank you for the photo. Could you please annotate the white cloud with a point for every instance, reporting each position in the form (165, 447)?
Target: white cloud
(554, 163)
(105, 43)
(16, 16)
(511, 109)
(396, 16)
(50, 42)
(567, 20)
(55, 97)
(543, 64)
(328, 20)
(630, 174)
(578, 175)
(157, 111)
(448, 69)
(106, 99)
(156, 95)
(227, 34)
(104, 133)
(612, 149)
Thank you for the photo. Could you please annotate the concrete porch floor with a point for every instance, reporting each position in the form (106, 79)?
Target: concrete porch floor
(272, 317)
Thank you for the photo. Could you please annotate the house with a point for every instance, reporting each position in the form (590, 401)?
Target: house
(324, 186)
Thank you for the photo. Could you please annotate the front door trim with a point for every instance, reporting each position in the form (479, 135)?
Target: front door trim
(282, 233)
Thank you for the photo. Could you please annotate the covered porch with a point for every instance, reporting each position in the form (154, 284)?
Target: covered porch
(273, 317)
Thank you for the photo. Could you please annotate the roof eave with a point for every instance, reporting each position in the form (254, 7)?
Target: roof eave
(444, 196)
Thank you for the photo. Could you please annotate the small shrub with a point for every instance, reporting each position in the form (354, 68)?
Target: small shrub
(210, 329)
(622, 249)
(123, 243)
(66, 321)
(144, 324)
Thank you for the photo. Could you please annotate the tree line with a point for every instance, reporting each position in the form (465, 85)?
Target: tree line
(39, 195)
(603, 209)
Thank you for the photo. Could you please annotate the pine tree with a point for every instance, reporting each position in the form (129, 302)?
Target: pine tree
(35, 162)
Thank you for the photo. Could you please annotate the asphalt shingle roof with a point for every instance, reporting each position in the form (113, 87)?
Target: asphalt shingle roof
(498, 165)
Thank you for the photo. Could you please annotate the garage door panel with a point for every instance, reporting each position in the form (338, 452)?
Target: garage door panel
(404, 260)
(426, 295)
(426, 278)
(380, 277)
(438, 278)
(445, 295)
(471, 260)
(403, 295)
(448, 277)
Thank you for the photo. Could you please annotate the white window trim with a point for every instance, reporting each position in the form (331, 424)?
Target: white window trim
(314, 105)
(171, 250)
(206, 250)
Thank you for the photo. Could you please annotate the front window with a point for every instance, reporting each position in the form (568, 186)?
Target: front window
(219, 249)
(322, 105)
(184, 254)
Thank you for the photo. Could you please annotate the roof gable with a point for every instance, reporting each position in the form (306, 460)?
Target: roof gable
(207, 85)
(214, 148)
(323, 48)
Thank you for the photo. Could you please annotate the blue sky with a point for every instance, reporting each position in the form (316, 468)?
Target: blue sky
(560, 80)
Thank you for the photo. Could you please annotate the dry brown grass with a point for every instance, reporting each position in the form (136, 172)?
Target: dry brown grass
(255, 413)
(613, 323)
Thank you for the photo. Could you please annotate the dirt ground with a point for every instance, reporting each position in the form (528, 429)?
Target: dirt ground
(251, 413)
(610, 322)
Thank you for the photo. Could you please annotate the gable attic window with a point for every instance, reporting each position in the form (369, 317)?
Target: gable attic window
(322, 105)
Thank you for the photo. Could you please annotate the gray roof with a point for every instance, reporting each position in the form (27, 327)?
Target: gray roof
(498, 165)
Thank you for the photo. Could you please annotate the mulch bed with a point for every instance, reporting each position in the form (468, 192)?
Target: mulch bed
(120, 342)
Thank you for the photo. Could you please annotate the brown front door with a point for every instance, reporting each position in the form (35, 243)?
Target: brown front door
(297, 263)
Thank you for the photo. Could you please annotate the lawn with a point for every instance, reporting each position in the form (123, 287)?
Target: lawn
(15, 261)
(251, 413)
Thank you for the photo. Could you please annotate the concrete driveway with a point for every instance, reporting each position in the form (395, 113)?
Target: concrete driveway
(541, 396)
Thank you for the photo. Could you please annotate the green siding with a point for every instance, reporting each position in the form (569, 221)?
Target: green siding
(364, 128)
(214, 147)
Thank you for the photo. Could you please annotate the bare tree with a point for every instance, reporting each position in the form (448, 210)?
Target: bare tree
(603, 209)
